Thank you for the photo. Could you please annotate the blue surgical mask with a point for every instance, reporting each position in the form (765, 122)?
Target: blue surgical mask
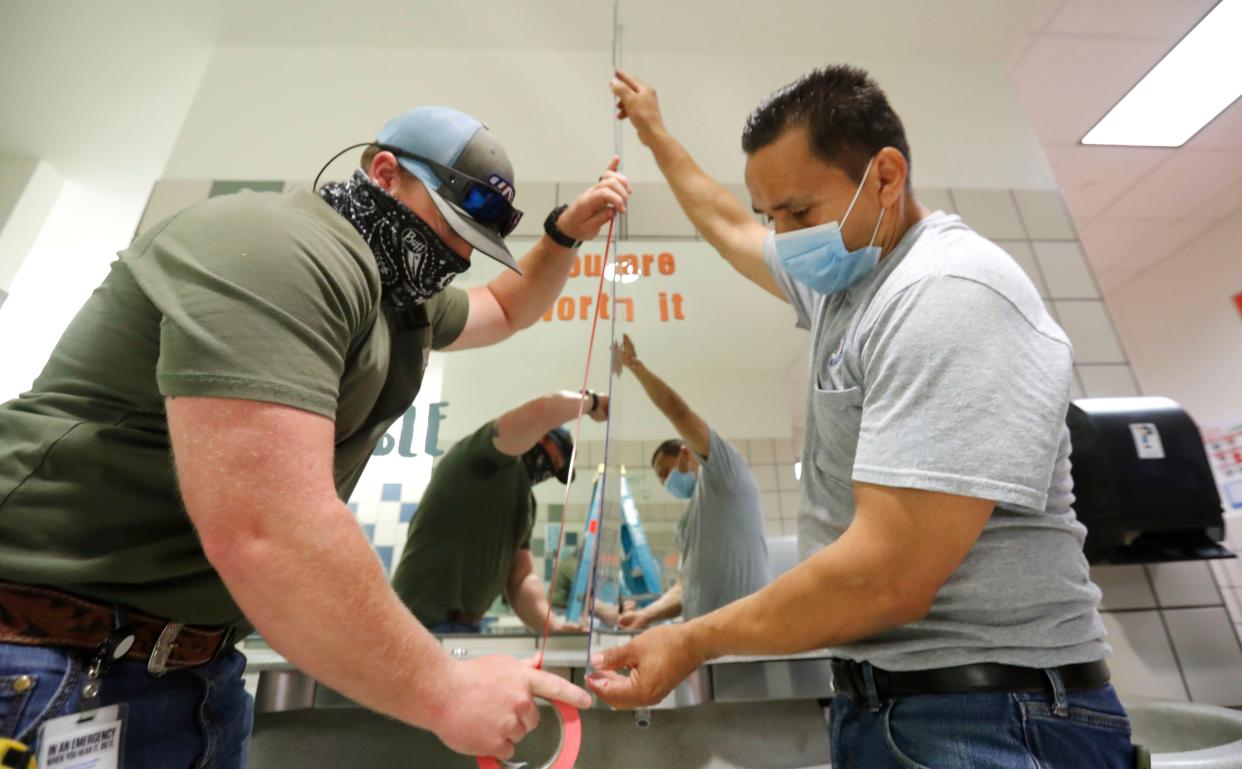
(680, 483)
(817, 256)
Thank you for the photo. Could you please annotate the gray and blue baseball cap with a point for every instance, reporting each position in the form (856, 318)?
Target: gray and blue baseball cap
(459, 142)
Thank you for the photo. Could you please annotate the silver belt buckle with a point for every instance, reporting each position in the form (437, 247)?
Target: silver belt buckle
(157, 663)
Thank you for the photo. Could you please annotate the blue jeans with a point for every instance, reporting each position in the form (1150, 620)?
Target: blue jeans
(195, 717)
(1053, 730)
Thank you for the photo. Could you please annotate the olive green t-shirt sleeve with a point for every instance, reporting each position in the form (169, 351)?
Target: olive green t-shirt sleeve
(448, 312)
(253, 308)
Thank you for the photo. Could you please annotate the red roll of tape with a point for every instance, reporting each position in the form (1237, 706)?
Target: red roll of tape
(571, 742)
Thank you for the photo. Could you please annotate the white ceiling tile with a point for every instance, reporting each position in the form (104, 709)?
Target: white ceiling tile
(1179, 187)
(1223, 133)
(1108, 242)
(1068, 83)
(1094, 177)
(1115, 278)
(1224, 204)
(1175, 235)
(1153, 19)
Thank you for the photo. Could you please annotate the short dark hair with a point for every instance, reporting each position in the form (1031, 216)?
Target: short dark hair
(670, 448)
(847, 115)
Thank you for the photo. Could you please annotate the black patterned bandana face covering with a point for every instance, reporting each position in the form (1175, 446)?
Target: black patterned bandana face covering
(539, 466)
(414, 263)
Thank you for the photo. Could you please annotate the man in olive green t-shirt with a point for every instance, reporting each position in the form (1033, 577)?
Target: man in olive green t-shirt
(470, 539)
(266, 342)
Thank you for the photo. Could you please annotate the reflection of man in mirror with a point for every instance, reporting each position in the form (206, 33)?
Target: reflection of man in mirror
(720, 536)
(264, 341)
(562, 591)
(469, 542)
(942, 560)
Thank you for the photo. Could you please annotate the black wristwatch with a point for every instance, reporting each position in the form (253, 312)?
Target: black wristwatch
(554, 232)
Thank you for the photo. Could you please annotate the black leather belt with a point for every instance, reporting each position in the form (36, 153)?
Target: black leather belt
(848, 678)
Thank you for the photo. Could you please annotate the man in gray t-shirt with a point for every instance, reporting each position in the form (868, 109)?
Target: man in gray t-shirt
(720, 536)
(942, 561)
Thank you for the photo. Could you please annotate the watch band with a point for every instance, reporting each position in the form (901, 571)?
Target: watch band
(554, 232)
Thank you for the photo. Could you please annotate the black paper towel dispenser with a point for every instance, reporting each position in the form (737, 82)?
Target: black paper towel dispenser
(1142, 483)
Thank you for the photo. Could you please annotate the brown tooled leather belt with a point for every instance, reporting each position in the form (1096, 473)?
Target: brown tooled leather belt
(44, 616)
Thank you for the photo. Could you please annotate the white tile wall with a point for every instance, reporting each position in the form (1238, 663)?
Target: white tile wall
(785, 477)
(1089, 328)
(1143, 663)
(632, 454)
(765, 476)
(1232, 569)
(1044, 214)
(170, 196)
(785, 451)
(1233, 603)
(368, 512)
(1184, 583)
(789, 503)
(1024, 255)
(387, 512)
(991, 213)
(1065, 269)
(655, 213)
(1110, 380)
(1211, 658)
(387, 534)
(771, 502)
(762, 452)
(1124, 587)
(535, 200)
(935, 199)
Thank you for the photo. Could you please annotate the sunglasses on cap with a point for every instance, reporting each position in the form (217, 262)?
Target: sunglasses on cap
(481, 201)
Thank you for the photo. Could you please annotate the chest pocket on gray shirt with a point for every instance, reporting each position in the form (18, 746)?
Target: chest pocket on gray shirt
(836, 416)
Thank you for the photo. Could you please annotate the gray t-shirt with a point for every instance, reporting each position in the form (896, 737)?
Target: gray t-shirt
(942, 370)
(723, 553)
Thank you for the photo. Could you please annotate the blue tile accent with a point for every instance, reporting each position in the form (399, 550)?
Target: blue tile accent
(369, 530)
(391, 492)
(353, 507)
(571, 539)
(407, 511)
(385, 555)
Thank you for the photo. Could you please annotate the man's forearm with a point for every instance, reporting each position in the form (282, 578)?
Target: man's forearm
(313, 590)
(529, 602)
(524, 299)
(839, 595)
(666, 606)
(670, 404)
(713, 210)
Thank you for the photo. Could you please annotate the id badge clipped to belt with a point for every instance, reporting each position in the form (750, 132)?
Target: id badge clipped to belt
(92, 738)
